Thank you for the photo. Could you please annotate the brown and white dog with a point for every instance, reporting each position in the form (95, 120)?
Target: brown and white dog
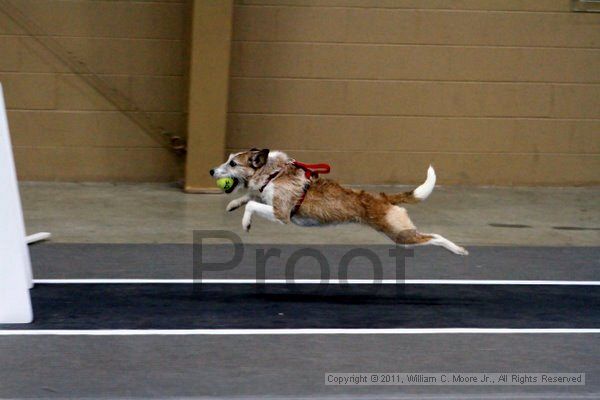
(281, 192)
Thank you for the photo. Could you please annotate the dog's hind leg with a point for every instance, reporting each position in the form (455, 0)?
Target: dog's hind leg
(412, 238)
(262, 210)
(439, 240)
(397, 225)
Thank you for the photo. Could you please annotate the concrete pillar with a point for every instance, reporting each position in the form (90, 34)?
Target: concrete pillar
(209, 76)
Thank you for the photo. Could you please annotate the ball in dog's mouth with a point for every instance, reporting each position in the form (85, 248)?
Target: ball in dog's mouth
(227, 184)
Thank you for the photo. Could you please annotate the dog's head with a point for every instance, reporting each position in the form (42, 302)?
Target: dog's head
(241, 167)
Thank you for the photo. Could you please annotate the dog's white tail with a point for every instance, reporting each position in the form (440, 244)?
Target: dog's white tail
(417, 195)
(423, 191)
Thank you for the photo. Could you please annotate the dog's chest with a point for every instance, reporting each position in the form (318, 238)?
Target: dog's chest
(267, 194)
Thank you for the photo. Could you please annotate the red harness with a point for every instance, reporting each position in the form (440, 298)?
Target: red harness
(310, 171)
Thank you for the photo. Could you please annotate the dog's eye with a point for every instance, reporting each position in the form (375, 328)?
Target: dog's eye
(232, 163)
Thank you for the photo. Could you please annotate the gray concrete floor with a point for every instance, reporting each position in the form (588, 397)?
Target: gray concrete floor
(161, 213)
(285, 367)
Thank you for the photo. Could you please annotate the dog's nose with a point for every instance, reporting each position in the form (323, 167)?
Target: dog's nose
(212, 172)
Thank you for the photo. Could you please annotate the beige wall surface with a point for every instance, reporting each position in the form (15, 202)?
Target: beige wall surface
(62, 129)
(490, 92)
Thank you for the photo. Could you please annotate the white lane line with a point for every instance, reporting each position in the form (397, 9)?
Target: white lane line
(230, 332)
(318, 281)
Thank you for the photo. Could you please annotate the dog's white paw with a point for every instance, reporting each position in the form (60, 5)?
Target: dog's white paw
(461, 251)
(233, 205)
(247, 221)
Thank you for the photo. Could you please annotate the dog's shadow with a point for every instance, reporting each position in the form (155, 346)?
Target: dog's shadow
(352, 298)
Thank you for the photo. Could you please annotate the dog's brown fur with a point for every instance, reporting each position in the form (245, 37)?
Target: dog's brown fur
(349, 205)
(325, 202)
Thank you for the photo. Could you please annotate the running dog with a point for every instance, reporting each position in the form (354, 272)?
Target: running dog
(283, 190)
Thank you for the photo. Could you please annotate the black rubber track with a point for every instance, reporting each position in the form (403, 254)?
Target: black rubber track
(240, 306)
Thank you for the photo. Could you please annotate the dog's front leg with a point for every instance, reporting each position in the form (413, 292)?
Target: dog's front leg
(262, 210)
(237, 203)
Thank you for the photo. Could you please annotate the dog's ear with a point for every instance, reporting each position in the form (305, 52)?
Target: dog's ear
(259, 158)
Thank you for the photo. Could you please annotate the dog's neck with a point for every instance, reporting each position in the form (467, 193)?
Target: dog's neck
(276, 161)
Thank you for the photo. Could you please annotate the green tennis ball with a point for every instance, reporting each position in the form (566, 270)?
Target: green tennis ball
(225, 183)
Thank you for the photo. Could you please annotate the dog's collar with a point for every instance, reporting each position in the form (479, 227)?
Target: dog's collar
(269, 179)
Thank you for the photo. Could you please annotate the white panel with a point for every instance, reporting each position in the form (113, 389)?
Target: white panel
(15, 266)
